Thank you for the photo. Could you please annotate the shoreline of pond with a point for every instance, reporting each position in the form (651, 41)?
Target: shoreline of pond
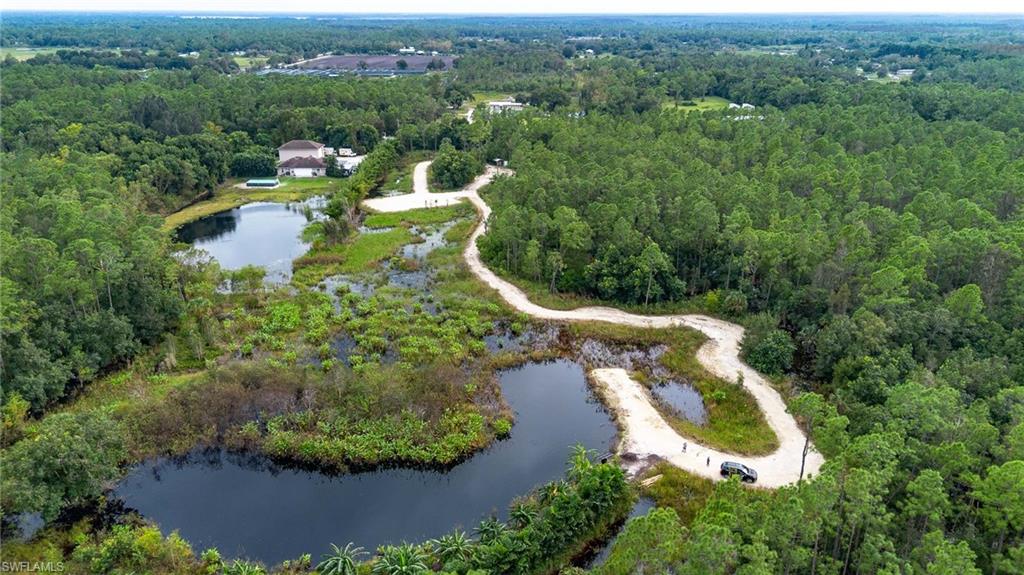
(541, 393)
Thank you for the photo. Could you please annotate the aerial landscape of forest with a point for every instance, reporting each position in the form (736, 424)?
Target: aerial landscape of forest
(477, 295)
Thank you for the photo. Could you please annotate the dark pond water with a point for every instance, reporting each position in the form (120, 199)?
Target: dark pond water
(363, 287)
(503, 339)
(260, 234)
(600, 555)
(679, 397)
(21, 527)
(366, 284)
(683, 399)
(247, 507)
(343, 347)
(433, 238)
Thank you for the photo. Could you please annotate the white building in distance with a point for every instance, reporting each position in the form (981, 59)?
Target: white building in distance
(308, 159)
(500, 106)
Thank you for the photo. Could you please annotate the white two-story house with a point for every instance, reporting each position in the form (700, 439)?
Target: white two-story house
(301, 158)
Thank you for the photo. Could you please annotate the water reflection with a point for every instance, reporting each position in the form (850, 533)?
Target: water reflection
(600, 555)
(249, 507)
(260, 234)
(683, 399)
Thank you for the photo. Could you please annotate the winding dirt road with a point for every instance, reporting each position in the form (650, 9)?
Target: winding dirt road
(645, 432)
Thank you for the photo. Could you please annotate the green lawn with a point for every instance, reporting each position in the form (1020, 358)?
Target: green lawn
(418, 217)
(360, 254)
(22, 53)
(228, 196)
(784, 49)
(482, 97)
(309, 185)
(699, 104)
(245, 62)
(872, 77)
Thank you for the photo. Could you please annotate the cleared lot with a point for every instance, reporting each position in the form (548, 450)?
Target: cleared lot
(414, 63)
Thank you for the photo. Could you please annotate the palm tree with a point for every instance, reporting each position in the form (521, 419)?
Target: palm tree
(522, 515)
(580, 462)
(244, 568)
(405, 559)
(454, 546)
(340, 561)
(490, 529)
(549, 491)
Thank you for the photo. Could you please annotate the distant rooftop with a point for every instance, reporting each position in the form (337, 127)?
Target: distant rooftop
(301, 145)
(302, 162)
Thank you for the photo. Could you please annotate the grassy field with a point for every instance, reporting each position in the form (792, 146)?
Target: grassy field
(245, 62)
(482, 97)
(359, 254)
(778, 50)
(682, 491)
(123, 389)
(366, 251)
(421, 216)
(699, 104)
(24, 53)
(228, 196)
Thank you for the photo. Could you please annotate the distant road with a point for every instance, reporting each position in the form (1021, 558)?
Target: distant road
(645, 431)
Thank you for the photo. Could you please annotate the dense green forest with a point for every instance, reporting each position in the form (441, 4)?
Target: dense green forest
(894, 275)
(863, 218)
(870, 235)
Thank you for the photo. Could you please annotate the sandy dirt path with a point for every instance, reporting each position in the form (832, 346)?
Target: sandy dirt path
(421, 197)
(645, 432)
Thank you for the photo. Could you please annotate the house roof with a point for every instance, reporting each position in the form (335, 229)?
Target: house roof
(301, 145)
(505, 104)
(302, 162)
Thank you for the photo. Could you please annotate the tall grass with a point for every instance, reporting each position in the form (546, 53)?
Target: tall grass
(360, 254)
(419, 216)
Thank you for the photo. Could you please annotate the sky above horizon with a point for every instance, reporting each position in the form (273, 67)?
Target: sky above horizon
(529, 6)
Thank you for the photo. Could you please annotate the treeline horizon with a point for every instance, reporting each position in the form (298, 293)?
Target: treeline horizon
(866, 228)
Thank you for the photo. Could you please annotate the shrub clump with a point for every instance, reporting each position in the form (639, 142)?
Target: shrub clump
(453, 168)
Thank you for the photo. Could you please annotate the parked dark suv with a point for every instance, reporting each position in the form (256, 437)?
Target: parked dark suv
(747, 475)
